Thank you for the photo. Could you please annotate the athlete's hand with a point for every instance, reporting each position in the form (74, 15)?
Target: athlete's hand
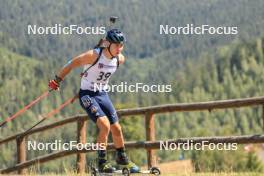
(55, 83)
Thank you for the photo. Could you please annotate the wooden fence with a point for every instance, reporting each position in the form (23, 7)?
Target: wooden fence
(150, 144)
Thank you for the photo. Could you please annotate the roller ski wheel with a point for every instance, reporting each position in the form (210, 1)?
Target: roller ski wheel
(155, 171)
(125, 171)
(94, 171)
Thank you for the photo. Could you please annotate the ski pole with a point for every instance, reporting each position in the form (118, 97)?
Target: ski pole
(24, 109)
(53, 112)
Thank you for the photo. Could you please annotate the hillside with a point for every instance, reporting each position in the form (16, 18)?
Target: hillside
(214, 77)
(142, 28)
(198, 68)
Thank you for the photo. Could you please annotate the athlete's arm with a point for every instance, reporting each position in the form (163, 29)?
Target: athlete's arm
(88, 57)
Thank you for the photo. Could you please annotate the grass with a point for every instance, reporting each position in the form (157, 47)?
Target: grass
(178, 174)
(219, 174)
(184, 169)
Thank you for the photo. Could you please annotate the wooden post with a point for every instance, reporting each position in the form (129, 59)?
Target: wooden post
(21, 153)
(150, 136)
(263, 116)
(81, 138)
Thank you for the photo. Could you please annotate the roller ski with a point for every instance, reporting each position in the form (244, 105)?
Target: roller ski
(125, 172)
(104, 167)
(124, 167)
(127, 167)
(152, 170)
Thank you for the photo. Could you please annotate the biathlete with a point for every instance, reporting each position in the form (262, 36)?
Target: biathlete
(99, 64)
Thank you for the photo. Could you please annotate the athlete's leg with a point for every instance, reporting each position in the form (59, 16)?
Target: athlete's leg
(121, 159)
(108, 108)
(118, 139)
(117, 135)
(94, 111)
(116, 130)
(103, 125)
